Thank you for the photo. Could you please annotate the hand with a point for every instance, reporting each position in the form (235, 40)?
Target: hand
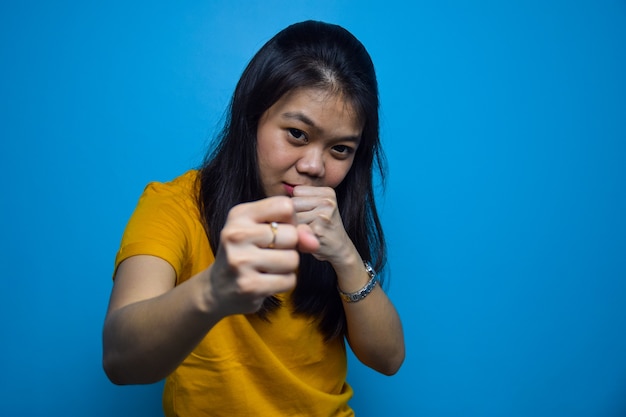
(246, 270)
(317, 207)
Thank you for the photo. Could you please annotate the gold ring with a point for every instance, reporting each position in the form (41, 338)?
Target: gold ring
(274, 228)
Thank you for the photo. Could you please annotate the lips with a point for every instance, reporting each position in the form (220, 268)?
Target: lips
(289, 188)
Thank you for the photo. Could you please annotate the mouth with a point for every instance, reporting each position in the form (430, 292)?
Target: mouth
(289, 188)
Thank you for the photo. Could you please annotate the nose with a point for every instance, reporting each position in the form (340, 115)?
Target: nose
(311, 162)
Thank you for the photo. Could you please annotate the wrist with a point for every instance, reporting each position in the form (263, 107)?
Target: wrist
(346, 260)
(353, 297)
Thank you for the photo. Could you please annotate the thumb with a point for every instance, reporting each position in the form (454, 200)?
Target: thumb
(307, 241)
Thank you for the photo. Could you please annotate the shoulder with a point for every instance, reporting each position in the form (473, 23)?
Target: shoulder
(183, 186)
(165, 222)
(181, 193)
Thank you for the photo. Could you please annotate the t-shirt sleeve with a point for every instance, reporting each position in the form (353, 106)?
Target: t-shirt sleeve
(159, 226)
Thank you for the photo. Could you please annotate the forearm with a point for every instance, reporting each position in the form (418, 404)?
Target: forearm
(145, 341)
(375, 332)
(374, 328)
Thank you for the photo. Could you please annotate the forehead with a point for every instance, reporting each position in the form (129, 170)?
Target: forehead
(328, 110)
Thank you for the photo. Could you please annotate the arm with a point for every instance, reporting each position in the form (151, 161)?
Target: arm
(374, 329)
(152, 325)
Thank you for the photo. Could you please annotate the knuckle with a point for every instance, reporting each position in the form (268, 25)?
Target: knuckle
(283, 205)
(237, 211)
(235, 259)
(326, 219)
(232, 234)
(327, 192)
(293, 259)
(289, 235)
(329, 203)
(247, 286)
(317, 229)
(239, 259)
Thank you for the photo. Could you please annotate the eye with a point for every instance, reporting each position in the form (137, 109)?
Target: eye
(343, 150)
(297, 134)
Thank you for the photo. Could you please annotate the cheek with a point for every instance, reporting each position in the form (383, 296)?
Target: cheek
(264, 151)
(261, 155)
(274, 158)
(337, 172)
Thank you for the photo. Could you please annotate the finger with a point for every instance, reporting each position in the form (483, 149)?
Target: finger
(261, 235)
(265, 284)
(307, 241)
(277, 261)
(280, 236)
(277, 283)
(311, 203)
(279, 209)
(303, 204)
(311, 191)
(322, 215)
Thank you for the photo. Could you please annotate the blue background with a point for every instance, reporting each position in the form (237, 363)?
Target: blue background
(505, 129)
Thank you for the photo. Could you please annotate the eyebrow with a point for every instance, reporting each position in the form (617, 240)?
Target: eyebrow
(306, 120)
(302, 117)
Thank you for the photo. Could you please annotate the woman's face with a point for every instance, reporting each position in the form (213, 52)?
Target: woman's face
(308, 137)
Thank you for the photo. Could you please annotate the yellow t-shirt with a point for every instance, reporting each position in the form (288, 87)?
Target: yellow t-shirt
(244, 366)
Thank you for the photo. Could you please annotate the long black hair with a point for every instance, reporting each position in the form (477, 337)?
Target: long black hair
(304, 55)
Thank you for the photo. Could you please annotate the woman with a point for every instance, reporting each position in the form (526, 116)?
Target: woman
(239, 282)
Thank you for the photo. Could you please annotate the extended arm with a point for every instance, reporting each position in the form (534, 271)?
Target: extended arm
(152, 325)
